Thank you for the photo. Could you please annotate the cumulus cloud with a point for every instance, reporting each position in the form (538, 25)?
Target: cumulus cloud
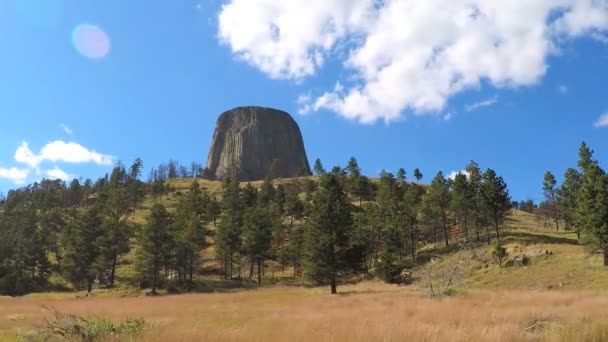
(57, 173)
(602, 121)
(60, 151)
(485, 103)
(404, 55)
(453, 174)
(16, 175)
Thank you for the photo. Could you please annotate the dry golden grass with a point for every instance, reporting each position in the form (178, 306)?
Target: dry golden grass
(365, 312)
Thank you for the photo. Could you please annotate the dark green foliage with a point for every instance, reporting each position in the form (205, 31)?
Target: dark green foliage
(567, 195)
(155, 242)
(462, 202)
(417, 174)
(438, 200)
(318, 168)
(329, 227)
(190, 230)
(257, 236)
(83, 240)
(591, 214)
(228, 234)
(550, 195)
(496, 199)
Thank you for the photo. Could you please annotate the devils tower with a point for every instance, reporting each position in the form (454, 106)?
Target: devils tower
(250, 141)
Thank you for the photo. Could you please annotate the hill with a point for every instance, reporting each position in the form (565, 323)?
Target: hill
(550, 288)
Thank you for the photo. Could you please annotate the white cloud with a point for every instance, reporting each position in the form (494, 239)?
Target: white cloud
(602, 121)
(60, 151)
(602, 38)
(66, 129)
(563, 89)
(448, 116)
(16, 175)
(453, 174)
(404, 55)
(485, 103)
(57, 173)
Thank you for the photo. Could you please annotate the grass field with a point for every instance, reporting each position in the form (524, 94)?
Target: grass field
(368, 311)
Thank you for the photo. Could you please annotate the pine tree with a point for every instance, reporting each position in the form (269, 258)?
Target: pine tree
(438, 197)
(190, 228)
(417, 175)
(318, 168)
(567, 195)
(329, 228)
(154, 244)
(592, 202)
(412, 203)
(392, 222)
(401, 175)
(257, 236)
(83, 241)
(462, 201)
(549, 190)
(116, 228)
(474, 181)
(228, 234)
(496, 199)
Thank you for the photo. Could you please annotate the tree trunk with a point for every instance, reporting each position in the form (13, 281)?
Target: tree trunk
(191, 273)
(333, 283)
(413, 239)
(154, 279)
(606, 255)
(488, 234)
(113, 273)
(251, 268)
(497, 231)
(259, 271)
(445, 232)
(578, 234)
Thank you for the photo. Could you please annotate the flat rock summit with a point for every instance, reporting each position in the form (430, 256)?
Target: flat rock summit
(250, 142)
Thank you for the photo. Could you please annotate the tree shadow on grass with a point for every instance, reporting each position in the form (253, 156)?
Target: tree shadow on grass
(533, 239)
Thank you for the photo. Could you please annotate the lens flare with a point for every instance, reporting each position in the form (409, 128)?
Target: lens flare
(91, 41)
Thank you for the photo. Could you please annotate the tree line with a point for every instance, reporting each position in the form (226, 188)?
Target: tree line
(335, 225)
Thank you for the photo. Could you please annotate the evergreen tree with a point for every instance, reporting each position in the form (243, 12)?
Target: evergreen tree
(257, 236)
(318, 168)
(549, 190)
(592, 202)
(412, 203)
(228, 234)
(417, 175)
(567, 195)
(474, 184)
(154, 244)
(401, 175)
(83, 241)
(116, 228)
(189, 226)
(392, 221)
(462, 201)
(496, 199)
(329, 228)
(438, 197)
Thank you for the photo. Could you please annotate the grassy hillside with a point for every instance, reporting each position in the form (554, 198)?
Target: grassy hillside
(558, 295)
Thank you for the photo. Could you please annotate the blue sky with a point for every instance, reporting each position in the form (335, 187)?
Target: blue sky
(514, 92)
